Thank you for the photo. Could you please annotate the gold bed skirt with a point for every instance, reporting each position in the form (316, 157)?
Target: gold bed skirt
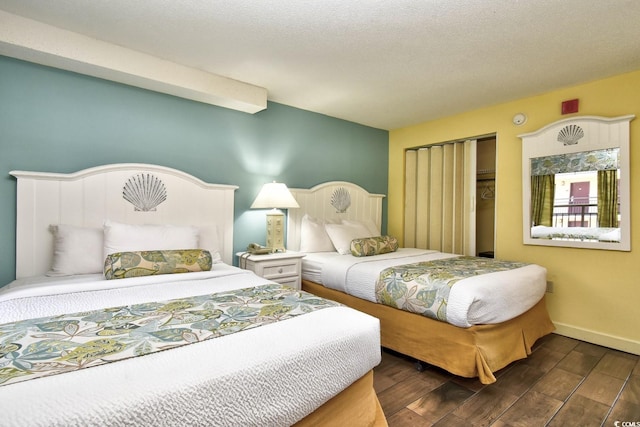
(478, 351)
(357, 405)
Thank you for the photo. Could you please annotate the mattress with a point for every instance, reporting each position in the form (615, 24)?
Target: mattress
(253, 377)
(484, 299)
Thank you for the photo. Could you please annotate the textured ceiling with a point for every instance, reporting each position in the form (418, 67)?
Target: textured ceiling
(382, 63)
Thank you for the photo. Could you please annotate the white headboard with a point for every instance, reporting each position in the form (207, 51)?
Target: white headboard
(89, 197)
(326, 201)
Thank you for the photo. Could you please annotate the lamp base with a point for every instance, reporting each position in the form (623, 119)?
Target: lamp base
(275, 230)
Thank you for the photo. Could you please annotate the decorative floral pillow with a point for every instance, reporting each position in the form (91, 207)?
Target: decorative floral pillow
(373, 246)
(122, 265)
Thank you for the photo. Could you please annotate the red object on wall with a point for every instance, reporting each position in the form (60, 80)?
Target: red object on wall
(570, 106)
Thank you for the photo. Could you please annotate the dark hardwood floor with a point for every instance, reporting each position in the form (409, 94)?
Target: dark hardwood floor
(565, 382)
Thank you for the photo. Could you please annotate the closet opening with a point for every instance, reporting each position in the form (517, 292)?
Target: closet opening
(485, 196)
(450, 196)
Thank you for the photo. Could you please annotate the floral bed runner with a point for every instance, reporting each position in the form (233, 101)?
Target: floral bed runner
(52, 345)
(423, 287)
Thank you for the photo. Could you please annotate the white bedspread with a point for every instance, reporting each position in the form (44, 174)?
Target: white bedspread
(273, 375)
(485, 299)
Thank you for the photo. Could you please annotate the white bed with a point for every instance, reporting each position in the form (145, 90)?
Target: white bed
(493, 319)
(485, 299)
(251, 377)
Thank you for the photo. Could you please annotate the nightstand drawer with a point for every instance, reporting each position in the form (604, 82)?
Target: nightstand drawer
(281, 267)
(278, 269)
(293, 282)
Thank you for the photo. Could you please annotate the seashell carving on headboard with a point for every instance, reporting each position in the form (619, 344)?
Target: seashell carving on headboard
(145, 192)
(341, 199)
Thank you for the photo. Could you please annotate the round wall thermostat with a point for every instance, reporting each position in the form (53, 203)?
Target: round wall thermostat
(519, 119)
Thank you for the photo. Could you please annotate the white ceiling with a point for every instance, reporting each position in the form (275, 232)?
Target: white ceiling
(382, 63)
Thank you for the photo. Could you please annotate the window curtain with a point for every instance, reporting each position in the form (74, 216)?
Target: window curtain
(542, 196)
(439, 197)
(607, 198)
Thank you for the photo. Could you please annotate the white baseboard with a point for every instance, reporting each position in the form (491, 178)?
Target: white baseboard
(611, 341)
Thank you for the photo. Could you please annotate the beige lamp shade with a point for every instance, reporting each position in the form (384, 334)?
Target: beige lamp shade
(275, 196)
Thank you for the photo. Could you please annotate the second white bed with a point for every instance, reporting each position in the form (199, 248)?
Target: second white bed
(485, 299)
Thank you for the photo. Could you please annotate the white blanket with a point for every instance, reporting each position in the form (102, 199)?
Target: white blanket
(485, 299)
(254, 377)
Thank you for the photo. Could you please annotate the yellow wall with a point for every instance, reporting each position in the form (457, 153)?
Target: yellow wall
(596, 293)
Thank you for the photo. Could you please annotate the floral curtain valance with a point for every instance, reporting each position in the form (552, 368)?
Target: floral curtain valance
(576, 162)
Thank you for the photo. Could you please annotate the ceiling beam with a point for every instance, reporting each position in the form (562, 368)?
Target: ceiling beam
(44, 44)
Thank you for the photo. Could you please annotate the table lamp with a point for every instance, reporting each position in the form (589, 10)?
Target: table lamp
(275, 196)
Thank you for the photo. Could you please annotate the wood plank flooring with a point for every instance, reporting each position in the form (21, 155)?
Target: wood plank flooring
(565, 382)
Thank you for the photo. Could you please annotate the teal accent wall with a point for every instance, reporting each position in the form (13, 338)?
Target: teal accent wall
(57, 121)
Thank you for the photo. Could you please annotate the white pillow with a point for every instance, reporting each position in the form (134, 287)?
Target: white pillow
(209, 239)
(128, 238)
(367, 223)
(313, 236)
(341, 235)
(76, 250)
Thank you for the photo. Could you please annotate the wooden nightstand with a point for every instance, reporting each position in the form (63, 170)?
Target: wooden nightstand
(282, 267)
